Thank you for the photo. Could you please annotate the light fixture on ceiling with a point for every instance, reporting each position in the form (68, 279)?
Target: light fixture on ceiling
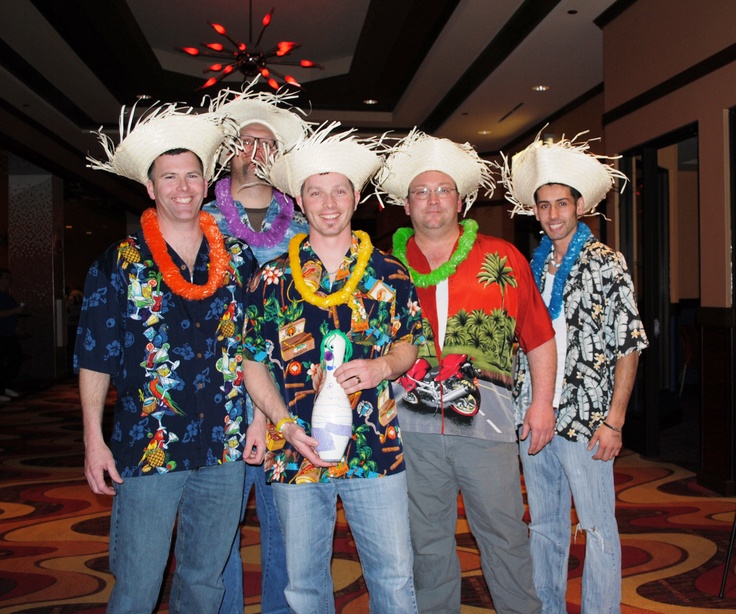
(370, 101)
(249, 62)
(484, 132)
(540, 88)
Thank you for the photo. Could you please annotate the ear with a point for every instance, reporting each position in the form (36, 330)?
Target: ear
(149, 189)
(407, 207)
(356, 196)
(580, 206)
(536, 212)
(459, 203)
(299, 202)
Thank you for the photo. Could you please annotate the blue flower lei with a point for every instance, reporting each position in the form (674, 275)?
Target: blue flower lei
(539, 260)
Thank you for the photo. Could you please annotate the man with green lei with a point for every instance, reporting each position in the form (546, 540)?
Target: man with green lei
(477, 295)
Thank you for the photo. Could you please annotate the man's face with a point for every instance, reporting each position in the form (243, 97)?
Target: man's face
(328, 202)
(433, 202)
(178, 187)
(558, 212)
(258, 142)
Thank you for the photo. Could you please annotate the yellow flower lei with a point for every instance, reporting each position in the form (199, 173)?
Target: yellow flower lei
(341, 296)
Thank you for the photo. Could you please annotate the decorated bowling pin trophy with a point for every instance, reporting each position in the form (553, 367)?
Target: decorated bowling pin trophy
(332, 416)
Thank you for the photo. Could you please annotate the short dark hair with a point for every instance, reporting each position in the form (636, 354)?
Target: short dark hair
(573, 192)
(174, 152)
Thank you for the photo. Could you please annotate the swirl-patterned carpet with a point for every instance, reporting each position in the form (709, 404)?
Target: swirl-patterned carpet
(53, 530)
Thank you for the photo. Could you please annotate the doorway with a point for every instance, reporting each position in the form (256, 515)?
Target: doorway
(659, 234)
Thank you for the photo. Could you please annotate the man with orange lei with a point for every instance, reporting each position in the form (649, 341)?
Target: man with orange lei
(334, 283)
(161, 321)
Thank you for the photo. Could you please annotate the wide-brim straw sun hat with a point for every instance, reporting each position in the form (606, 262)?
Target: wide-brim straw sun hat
(419, 152)
(325, 151)
(565, 162)
(163, 128)
(251, 107)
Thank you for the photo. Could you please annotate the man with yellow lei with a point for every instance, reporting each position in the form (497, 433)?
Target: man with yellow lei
(161, 320)
(477, 295)
(334, 280)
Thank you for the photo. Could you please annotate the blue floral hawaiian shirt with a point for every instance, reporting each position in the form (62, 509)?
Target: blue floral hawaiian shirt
(176, 363)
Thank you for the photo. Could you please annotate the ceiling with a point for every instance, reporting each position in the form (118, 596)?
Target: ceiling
(462, 69)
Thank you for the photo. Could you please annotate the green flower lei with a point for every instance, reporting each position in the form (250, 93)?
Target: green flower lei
(423, 280)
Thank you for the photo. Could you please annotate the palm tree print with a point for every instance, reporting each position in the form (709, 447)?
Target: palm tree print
(494, 270)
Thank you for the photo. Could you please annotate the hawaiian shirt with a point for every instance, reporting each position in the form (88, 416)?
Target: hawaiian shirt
(263, 254)
(286, 333)
(176, 363)
(464, 386)
(603, 325)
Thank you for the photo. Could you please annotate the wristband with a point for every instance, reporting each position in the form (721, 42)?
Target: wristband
(613, 428)
(280, 424)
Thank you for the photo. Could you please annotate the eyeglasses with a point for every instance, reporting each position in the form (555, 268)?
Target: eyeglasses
(441, 192)
(253, 141)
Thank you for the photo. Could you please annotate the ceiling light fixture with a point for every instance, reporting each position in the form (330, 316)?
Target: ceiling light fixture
(249, 62)
(484, 132)
(540, 88)
(370, 101)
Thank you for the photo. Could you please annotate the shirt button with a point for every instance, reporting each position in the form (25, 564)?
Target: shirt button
(197, 325)
(201, 415)
(199, 354)
(183, 267)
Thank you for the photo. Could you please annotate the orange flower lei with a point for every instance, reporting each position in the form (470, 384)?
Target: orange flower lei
(365, 248)
(219, 257)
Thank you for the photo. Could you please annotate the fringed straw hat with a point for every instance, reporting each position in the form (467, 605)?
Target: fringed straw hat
(161, 129)
(251, 107)
(325, 151)
(418, 152)
(565, 162)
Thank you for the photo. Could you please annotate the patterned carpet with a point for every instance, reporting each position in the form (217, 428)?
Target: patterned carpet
(53, 530)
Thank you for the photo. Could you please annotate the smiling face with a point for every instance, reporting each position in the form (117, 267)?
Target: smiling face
(558, 211)
(328, 202)
(433, 202)
(178, 187)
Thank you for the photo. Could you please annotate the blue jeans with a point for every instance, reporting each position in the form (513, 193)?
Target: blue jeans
(207, 501)
(487, 474)
(563, 468)
(273, 558)
(377, 512)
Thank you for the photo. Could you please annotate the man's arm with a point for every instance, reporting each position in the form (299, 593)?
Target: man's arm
(540, 417)
(368, 373)
(266, 397)
(98, 459)
(609, 440)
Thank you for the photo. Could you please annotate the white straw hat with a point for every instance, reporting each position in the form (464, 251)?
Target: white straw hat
(325, 151)
(564, 162)
(161, 129)
(251, 107)
(418, 152)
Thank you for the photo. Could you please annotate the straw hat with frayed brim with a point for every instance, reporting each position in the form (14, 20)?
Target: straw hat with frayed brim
(160, 130)
(251, 107)
(418, 153)
(564, 162)
(325, 151)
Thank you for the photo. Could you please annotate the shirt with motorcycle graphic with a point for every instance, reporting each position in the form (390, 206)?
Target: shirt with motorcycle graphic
(465, 388)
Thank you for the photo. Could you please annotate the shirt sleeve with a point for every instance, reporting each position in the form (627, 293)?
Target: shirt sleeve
(100, 336)
(533, 324)
(624, 328)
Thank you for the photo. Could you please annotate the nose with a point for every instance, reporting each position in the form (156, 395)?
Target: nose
(432, 196)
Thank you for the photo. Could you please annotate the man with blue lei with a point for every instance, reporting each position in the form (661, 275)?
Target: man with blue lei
(599, 335)
(162, 321)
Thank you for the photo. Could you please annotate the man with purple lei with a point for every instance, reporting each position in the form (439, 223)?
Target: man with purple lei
(249, 208)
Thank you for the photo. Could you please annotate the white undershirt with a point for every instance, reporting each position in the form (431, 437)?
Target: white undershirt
(560, 336)
(442, 297)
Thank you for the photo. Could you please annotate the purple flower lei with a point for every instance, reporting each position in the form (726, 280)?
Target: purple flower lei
(267, 238)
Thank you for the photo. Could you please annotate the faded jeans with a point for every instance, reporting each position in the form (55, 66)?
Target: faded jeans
(377, 511)
(563, 468)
